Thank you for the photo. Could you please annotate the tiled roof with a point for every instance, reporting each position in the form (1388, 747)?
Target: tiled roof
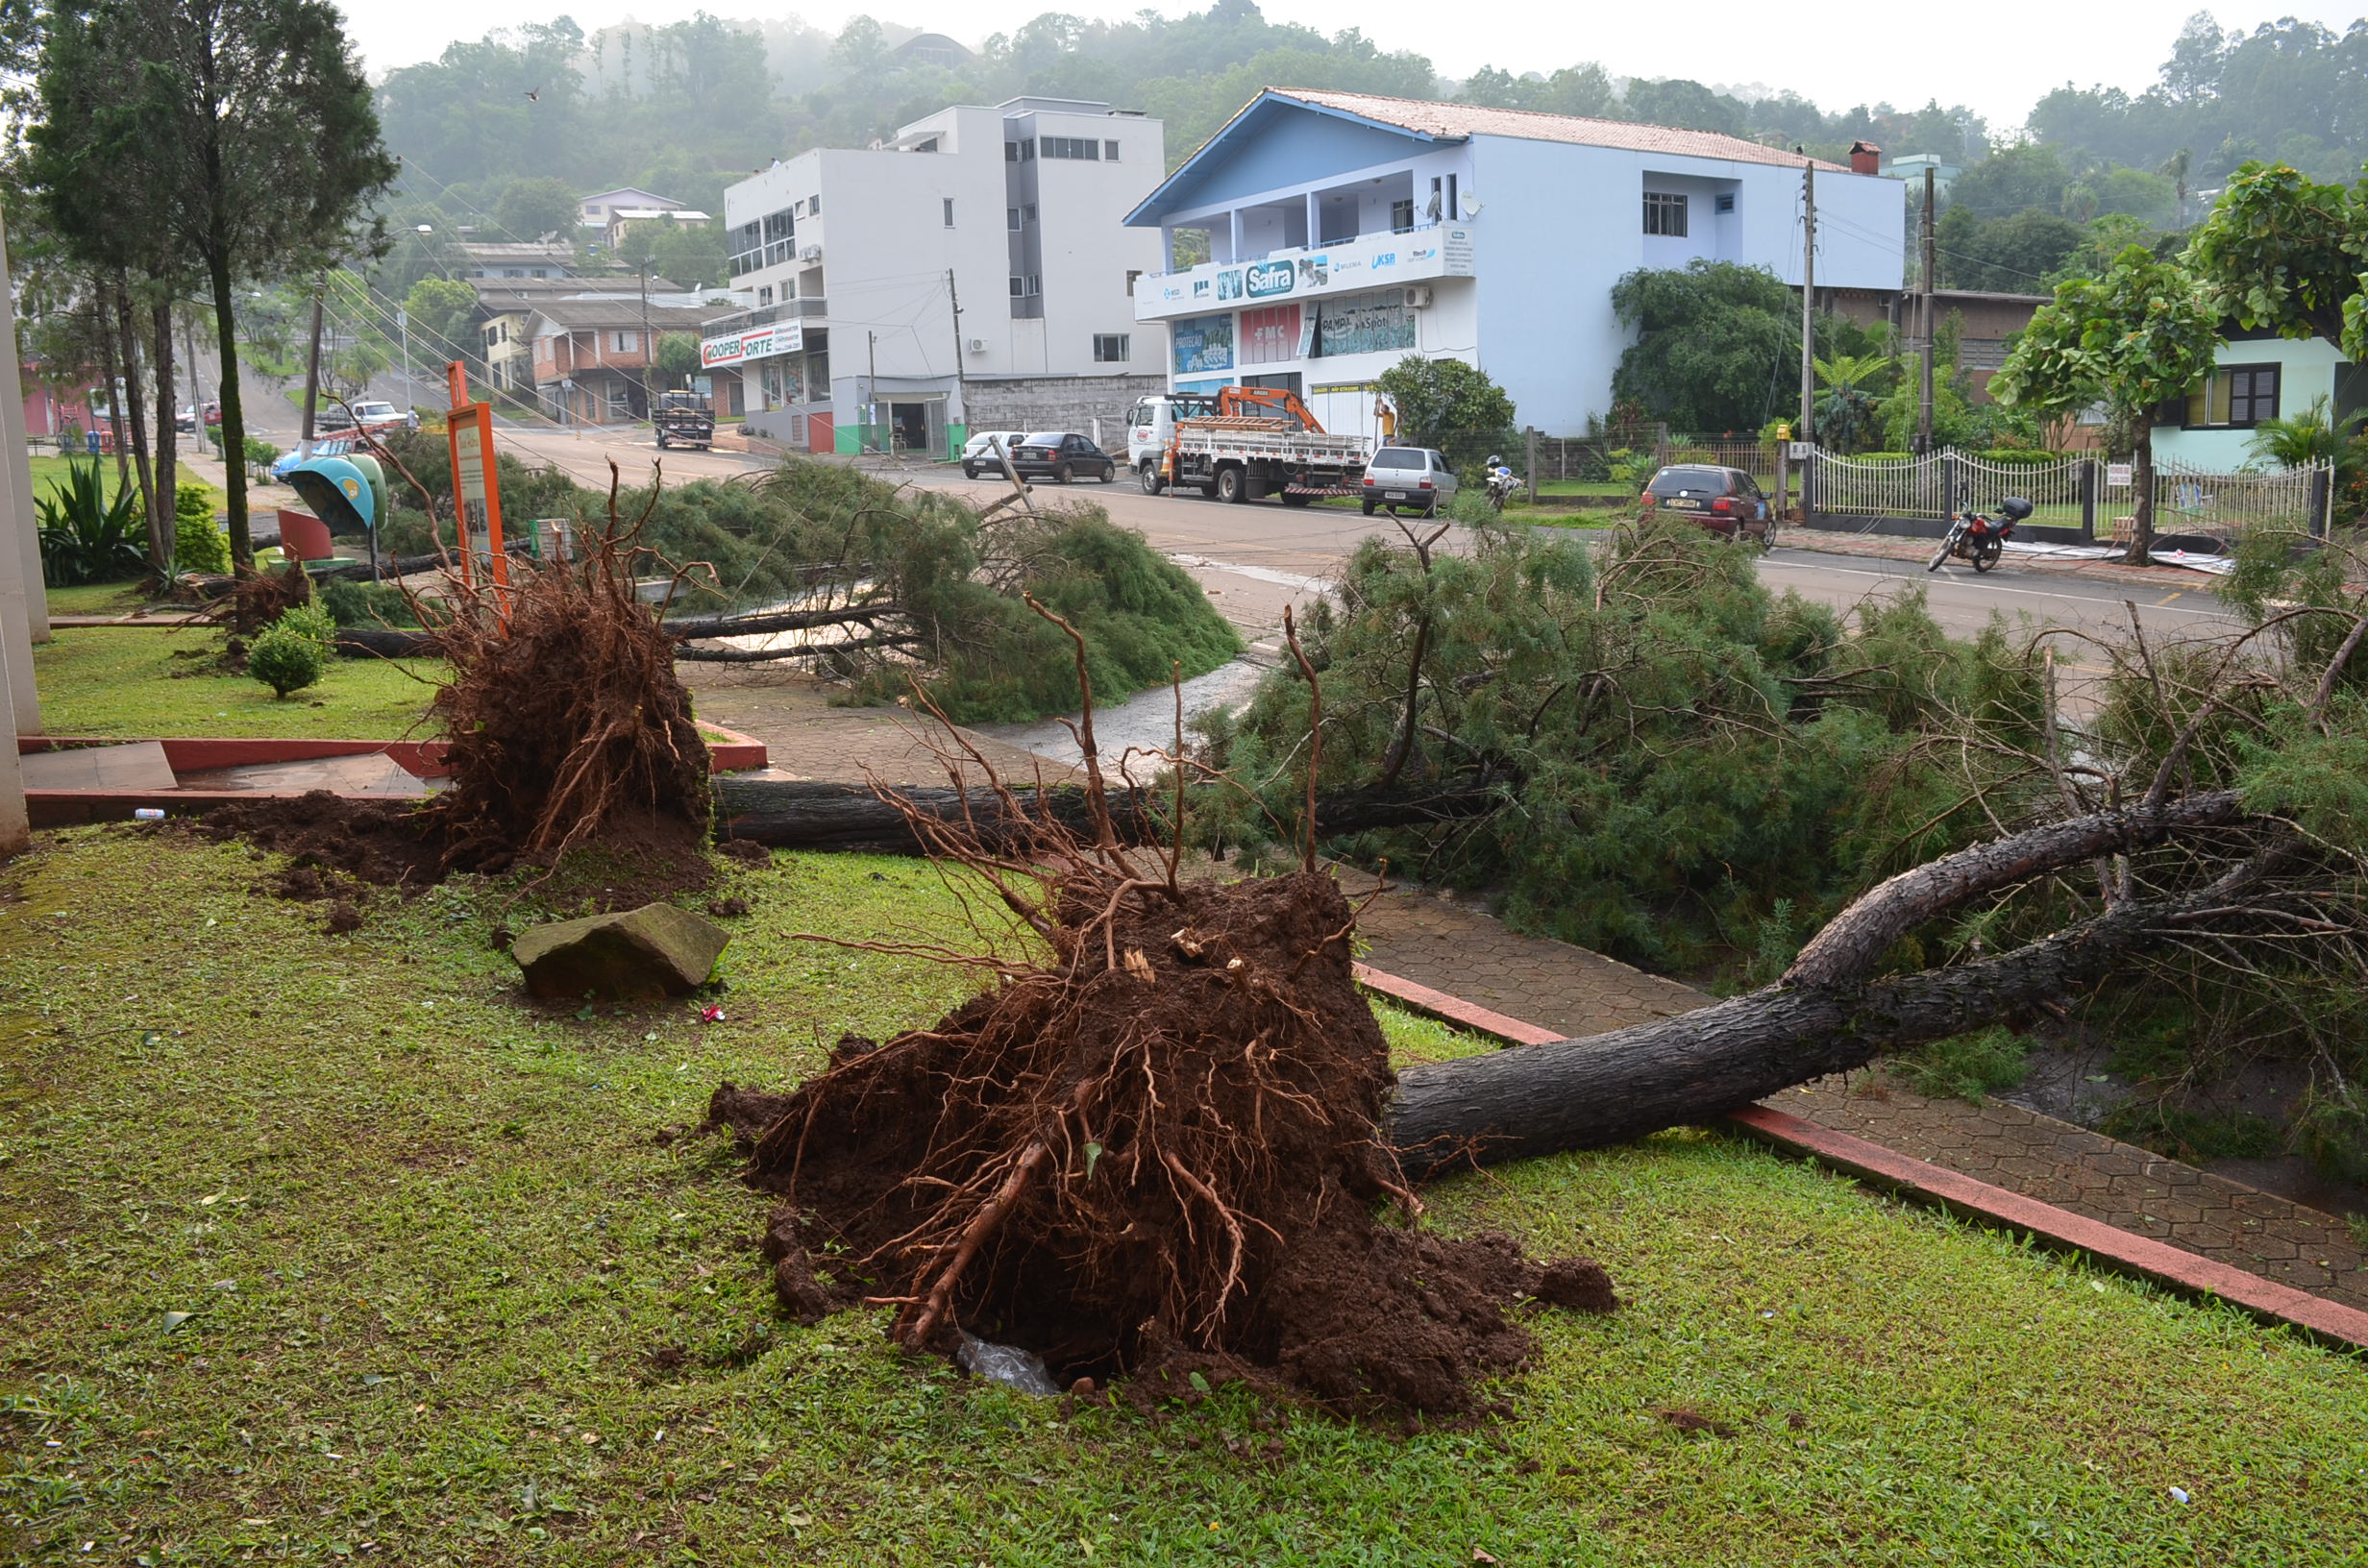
(628, 311)
(1461, 120)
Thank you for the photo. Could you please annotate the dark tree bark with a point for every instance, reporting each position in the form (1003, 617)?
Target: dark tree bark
(166, 529)
(796, 814)
(1822, 1017)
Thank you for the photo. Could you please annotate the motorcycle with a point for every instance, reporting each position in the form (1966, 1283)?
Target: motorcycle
(1981, 539)
(1501, 485)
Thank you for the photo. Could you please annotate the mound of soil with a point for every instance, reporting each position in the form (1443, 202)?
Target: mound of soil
(1160, 1158)
(336, 846)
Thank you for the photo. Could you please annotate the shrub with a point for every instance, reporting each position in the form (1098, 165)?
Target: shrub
(286, 660)
(309, 619)
(367, 604)
(199, 543)
(261, 453)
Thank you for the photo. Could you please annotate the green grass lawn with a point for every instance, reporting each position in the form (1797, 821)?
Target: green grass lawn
(96, 599)
(449, 1301)
(49, 474)
(133, 682)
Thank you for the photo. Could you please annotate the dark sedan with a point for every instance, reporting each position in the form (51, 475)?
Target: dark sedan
(1726, 501)
(1064, 457)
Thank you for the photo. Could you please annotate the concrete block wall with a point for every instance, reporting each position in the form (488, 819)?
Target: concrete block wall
(1059, 402)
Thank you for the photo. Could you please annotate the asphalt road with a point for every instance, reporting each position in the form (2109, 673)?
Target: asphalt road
(1256, 558)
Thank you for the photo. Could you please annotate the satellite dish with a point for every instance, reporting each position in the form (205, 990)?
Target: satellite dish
(1472, 206)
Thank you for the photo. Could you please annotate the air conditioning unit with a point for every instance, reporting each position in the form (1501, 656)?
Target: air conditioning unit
(977, 345)
(812, 252)
(1417, 295)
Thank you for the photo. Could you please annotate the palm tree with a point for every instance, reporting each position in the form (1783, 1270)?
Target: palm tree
(2312, 436)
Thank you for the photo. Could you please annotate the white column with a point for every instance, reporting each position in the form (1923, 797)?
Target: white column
(1239, 252)
(1314, 220)
(24, 607)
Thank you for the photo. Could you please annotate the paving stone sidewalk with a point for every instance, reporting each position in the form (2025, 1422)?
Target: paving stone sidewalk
(1454, 946)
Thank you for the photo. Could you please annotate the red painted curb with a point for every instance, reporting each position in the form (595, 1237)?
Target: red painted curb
(1438, 1004)
(2122, 1251)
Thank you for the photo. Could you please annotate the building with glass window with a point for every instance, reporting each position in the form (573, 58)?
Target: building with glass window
(2257, 376)
(1320, 238)
(972, 270)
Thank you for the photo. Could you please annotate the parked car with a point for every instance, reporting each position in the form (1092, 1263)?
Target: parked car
(185, 421)
(978, 451)
(1726, 501)
(1414, 477)
(368, 416)
(1062, 456)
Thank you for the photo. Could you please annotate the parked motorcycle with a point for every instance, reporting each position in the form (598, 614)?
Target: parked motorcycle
(1981, 538)
(1501, 483)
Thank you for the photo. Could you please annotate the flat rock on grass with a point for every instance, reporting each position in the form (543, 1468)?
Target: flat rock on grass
(656, 950)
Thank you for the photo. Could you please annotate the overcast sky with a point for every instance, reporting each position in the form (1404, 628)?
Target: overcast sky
(1997, 55)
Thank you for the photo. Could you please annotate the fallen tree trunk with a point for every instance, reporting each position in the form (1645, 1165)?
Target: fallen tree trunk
(799, 813)
(399, 643)
(1612, 1088)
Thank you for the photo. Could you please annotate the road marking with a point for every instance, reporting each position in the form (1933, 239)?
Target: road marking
(1257, 573)
(1988, 587)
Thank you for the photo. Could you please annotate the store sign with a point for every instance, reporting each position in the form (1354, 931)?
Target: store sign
(1271, 278)
(756, 343)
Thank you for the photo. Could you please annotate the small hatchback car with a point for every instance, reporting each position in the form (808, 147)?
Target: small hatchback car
(1726, 501)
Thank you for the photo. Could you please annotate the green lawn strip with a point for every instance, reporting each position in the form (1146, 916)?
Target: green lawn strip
(433, 1251)
(50, 474)
(96, 599)
(143, 681)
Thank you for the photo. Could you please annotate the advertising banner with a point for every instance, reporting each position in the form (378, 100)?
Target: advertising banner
(1203, 344)
(756, 343)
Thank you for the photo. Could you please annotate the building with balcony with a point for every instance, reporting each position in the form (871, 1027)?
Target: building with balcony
(593, 356)
(970, 270)
(1320, 238)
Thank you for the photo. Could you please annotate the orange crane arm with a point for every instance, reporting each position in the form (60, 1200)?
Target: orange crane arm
(1233, 402)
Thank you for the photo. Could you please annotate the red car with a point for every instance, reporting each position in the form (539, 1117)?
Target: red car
(1726, 501)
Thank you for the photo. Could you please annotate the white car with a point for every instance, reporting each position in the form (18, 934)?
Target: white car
(978, 452)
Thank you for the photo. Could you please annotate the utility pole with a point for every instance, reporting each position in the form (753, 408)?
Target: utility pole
(1924, 404)
(961, 388)
(870, 389)
(410, 395)
(1809, 298)
(312, 389)
(649, 349)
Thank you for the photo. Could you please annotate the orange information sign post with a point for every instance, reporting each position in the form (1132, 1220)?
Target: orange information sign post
(476, 488)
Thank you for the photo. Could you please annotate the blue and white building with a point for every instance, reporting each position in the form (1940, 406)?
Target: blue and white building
(2256, 377)
(1345, 231)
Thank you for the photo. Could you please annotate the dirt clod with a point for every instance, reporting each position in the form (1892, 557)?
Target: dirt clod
(724, 909)
(1578, 1284)
(748, 849)
(342, 918)
(1691, 1421)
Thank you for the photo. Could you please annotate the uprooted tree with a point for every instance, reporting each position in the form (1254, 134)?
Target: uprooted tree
(1656, 754)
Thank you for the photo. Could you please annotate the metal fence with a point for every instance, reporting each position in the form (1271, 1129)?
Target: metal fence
(2222, 506)
(2069, 493)
(1587, 460)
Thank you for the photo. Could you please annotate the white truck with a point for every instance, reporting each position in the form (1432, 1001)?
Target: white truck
(1209, 442)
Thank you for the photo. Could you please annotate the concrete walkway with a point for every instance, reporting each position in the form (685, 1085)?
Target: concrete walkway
(1456, 948)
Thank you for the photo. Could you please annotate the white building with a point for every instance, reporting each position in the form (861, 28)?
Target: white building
(859, 259)
(1345, 231)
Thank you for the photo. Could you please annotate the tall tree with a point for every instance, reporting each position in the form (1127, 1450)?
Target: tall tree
(2143, 332)
(1716, 343)
(241, 133)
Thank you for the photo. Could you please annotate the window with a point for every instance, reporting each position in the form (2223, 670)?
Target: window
(1028, 213)
(1011, 219)
(2239, 396)
(948, 212)
(1132, 273)
(1402, 216)
(1083, 148)
(1665, 214)
(1109, 152)
(1022, 151)
(1724, 202)
(625, 342)
(1027, 288)
(764, 295)
(1111, 348)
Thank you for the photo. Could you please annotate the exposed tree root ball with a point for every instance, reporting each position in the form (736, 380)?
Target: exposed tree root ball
(1157, 1157)
(563, 714)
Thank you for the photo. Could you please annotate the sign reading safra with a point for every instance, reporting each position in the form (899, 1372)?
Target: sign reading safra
(756, 343)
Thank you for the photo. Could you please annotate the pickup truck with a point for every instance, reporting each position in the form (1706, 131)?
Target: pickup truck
(683, 419)
(369, 417)
(1215, 446)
